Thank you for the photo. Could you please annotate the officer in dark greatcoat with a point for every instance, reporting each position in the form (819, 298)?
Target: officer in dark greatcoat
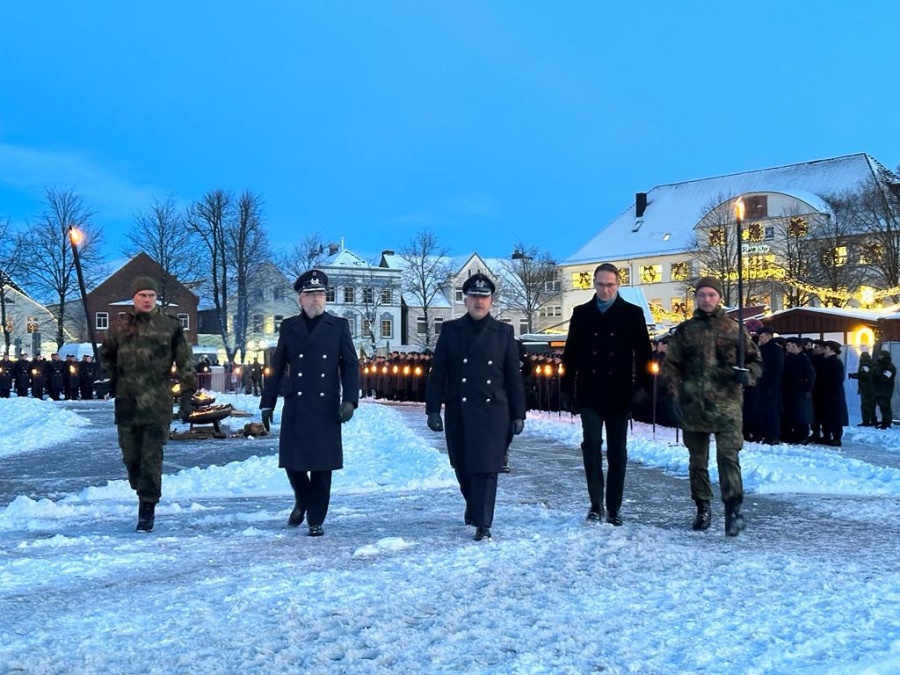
(6, 375)
(87, 373)
(71, 378)
(316, 356)
(475, 375)
(768, 388)
(798, 380)
(56, 370)
(22, 375)
(38, 377)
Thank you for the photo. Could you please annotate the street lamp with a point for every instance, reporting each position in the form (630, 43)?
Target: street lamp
(76, 236)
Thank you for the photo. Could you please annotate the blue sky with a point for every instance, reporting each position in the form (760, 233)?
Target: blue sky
(487, 122)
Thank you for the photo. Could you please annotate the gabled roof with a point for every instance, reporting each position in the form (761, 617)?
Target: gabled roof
(674, 209)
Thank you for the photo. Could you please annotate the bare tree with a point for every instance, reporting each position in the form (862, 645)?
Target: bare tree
(46, 247)
(309, 253)
(794, 256)
(877, 209)
(529, 281)
(247, 248)
(426, 273)
(714, 243)
(161, 232)
(210, 219)
(11, 265)
(832, 239)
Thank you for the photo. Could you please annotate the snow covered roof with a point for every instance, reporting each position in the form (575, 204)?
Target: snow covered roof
(849, 313)
(673, 210)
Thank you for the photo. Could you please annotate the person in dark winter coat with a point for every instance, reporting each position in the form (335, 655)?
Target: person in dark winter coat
(56, 371)
(883, 375)
(475, 375)
(606, 375)
(834, 400)
(87, 373)
(768, 388)
(38, 377)
(71, 378)
(865, 389)
(138, 354)
(22, 375)
(707, 383)
(798, 379)
(7, 365)
(317, 361)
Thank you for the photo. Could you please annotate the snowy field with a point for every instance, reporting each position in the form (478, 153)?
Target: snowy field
(397, 584)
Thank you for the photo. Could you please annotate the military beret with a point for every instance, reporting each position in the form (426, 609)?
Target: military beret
(311, 281)
(709, 282)
(143, 284)
(479, 284)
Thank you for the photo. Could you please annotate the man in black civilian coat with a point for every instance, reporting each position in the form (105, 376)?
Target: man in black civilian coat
(606, 374)
(475, 375)
(316, 358)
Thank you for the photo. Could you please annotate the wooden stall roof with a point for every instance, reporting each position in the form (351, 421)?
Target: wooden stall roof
(821, 320)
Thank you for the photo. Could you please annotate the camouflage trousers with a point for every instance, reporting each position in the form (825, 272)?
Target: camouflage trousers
(142, 454)
(867, 408)
(728, 446)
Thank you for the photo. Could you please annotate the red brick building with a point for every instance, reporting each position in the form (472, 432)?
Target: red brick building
(113, 297)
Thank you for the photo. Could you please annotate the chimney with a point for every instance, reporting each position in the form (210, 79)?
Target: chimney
(640, 204)
(387, 251)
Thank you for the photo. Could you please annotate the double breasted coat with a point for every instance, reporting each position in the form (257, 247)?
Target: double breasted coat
(320, 369)
(606, 353)
(476, 375)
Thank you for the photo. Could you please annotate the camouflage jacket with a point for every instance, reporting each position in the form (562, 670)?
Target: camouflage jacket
(699, 363)
(138, 354)
(883, 374)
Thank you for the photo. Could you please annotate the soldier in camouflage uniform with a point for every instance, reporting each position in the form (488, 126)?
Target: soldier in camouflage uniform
(701, 365)
(883, 374)
(865, 390)
(138, 354)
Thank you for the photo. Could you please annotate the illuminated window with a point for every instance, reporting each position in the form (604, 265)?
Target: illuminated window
(624, 276)
(679, 306)
(798, 227)
(840, 255)
(680, 271)
(583, 280)
(754, 232)
(716, 236)
(869, 254)
(651, 274)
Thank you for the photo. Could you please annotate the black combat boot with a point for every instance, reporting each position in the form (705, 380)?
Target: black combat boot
(146, 516)
(316, 531)
(704, 516)
(734, 521)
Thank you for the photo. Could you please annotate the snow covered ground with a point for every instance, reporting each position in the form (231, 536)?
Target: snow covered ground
(222, 586)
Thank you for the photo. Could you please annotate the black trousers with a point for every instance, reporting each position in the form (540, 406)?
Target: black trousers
(592, 423)
(312, 491)
(480, 492)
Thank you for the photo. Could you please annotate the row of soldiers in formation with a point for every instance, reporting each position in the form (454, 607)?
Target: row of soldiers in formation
(56, 379)
(403, 377)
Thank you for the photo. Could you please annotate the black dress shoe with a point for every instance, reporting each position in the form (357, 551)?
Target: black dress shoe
(614, 519)
(296, 517)
(594, 516)
(483, 533)
(316, 531)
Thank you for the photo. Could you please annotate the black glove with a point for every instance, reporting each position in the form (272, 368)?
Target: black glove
(516, 426)
(567, 402)
(267, 418)
(741, 376)
(185, 407)
(346, 411)
(434, 422)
